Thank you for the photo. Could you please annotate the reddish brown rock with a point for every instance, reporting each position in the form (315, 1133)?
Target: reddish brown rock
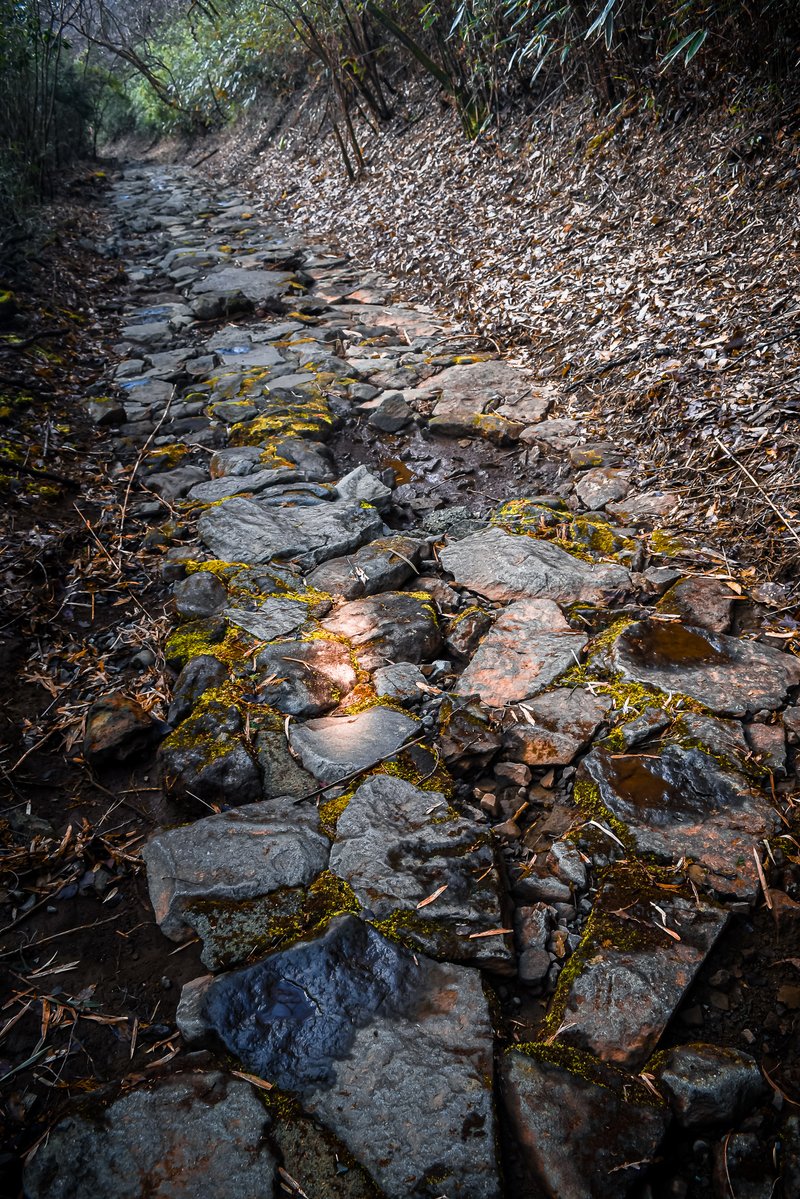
(684, 803)
(703, 602)
(529, 646)
(602, 485)
(583, 1129)
(565, 720)
(768, 743)
(117, 729)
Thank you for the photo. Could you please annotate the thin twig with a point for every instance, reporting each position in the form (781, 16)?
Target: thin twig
(757, 485)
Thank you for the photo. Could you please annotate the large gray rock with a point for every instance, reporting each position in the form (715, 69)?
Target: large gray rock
(584, 1131)
(380, 566)
(632, 974)
(229, 485)
(305, 678)
(528, 647)
(396, 845)
(242, 531)
(707, 1084)
(683, 803)
(336, 746)
(274, 617)
(504, 566)
(255, 285)
(232, 856)
(394, 627)
(729, 675)
(189, 1134)
(393, 1052)
(564, 722)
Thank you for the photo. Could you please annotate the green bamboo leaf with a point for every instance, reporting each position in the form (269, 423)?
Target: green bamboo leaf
(690, 44)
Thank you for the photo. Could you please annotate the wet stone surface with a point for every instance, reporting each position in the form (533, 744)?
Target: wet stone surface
(726, 674)
(683, 803)
(367, 1035)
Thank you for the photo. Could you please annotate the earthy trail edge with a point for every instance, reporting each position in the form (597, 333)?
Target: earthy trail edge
(475, 788)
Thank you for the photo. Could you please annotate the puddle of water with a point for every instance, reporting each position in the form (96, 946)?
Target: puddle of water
(672, 645)
(402, 471)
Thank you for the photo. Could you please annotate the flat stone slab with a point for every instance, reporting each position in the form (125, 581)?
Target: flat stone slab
(256, 285)
(394, 627)
(237, 855)
(504, 566)
(683, 803)
(730, 676)
(397, 845)
(189, 1134)
(335, 746)
(585, 1133)
(528, 647)
(273, 618)
(392, 1051)
(478, 381)
(602, 485)
(564, 722)
(628, 975)
(242, 531)
(221, 489)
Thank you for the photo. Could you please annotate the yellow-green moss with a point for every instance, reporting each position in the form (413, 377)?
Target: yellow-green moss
(664, 544)
(169, 456)
(586, 795)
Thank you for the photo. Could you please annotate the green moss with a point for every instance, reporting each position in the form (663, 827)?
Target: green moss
(331, 810)
(473, 610)
(239, 930)
(45, 491)
(589, 1068)
(168, 456)
(665, 545)
(214, 566)
(10, 452)
(588, 799)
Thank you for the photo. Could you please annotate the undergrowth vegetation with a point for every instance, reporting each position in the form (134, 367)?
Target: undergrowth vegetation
(75, 71)
(214, 58)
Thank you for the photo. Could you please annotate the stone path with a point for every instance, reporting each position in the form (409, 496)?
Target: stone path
(437, 764)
